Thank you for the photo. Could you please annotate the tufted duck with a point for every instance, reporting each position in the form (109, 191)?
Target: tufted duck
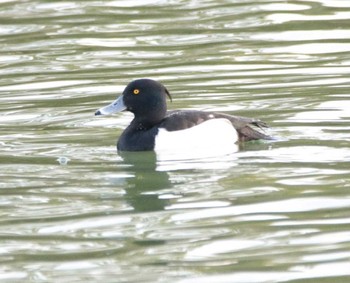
(153, 126)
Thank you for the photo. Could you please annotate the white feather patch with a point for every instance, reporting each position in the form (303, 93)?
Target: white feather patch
(211, 138)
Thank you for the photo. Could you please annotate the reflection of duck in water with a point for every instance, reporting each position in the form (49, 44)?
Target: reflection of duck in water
(155, 128)
(141, 189)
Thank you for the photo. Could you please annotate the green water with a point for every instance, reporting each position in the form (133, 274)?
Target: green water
(271, 212)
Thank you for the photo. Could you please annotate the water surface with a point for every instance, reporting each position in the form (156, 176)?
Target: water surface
(74, 209)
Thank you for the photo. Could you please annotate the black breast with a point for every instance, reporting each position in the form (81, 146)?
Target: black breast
(137, 139)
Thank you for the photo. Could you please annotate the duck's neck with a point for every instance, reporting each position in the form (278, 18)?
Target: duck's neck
(149, 120)
(144, 124)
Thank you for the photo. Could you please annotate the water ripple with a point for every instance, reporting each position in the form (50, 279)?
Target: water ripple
(275, 211)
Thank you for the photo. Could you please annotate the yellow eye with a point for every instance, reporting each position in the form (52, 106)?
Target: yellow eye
(136, 91)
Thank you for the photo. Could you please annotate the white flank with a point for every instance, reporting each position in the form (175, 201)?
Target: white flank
(211, 138)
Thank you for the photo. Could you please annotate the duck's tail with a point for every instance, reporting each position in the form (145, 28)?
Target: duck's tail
(248, 133)
(248, 129)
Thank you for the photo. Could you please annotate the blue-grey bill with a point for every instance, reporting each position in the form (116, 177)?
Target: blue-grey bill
(116, 106)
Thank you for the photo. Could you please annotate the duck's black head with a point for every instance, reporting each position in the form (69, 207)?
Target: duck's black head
(145, 98)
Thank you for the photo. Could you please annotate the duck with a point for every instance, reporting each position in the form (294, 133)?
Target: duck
(154, 127)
